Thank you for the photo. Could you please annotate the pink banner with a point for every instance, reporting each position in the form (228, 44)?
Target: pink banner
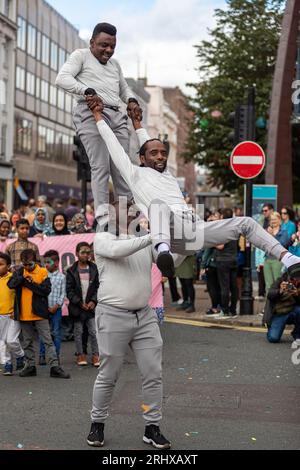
(66, 247)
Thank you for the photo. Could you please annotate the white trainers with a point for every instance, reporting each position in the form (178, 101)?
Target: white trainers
(296, 344)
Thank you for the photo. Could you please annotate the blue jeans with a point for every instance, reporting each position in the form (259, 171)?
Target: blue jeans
(278, 324)
(55, 325)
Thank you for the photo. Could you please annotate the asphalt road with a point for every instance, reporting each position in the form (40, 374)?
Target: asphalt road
(223, 389)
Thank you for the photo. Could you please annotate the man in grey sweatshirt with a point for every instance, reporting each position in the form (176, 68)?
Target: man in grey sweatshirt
(123, 317)
(93, 70)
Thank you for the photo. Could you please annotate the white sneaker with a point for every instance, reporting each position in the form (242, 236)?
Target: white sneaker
(296, 344)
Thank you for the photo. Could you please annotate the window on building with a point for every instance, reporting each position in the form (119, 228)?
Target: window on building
(68, 103)
(31, 40)
(38, 45)
(61, 99)
(61, 58)
(3, 140)
(37, 87)
(42, 134)
(4, 52)
(54, 55)
(30, 84)
(5, 7)
(23, 135)
(45, 49)
(3, 92)
(44, 91)
(21, 41)
(53, 94)
(20, 78)
(50, 142)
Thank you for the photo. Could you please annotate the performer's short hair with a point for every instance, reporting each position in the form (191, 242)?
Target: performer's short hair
(104, 28)
(142, 151)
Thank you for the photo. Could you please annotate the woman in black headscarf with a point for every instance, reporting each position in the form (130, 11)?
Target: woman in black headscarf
(60, 224)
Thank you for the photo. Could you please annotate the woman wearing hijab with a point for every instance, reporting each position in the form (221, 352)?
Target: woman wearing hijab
(60, 225)
(41, 225)
(78, 224)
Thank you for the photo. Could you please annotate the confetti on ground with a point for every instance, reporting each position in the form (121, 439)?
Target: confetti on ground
(20, 446)
(277, 376)
(145, 408)
(204, 360)
(227, 376)
(190, 378)
(187, 434)
(181, 368)
(194, 432)
(253, 438)
(230, 370)
(29, 393)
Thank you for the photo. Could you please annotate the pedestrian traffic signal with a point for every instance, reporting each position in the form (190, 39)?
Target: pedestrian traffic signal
(80, 156)
(243, 122)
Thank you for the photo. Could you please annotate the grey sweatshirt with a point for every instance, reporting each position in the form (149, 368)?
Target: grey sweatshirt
(82, 70)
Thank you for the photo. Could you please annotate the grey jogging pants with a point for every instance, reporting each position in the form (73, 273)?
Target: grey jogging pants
(101, 164)
(186, 233)
(116, 329)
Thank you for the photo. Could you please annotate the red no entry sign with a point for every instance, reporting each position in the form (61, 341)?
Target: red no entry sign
(247, 160)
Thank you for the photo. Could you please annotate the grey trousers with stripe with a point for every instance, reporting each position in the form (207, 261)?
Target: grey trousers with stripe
(116, 329)
(101, 164)
(186, 233)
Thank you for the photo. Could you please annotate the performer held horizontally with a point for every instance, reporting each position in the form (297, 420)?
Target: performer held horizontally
(173, 225)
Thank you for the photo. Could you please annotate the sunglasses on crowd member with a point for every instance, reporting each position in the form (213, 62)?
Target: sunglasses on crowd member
(265, 210)
(283, 212)
(29, 264)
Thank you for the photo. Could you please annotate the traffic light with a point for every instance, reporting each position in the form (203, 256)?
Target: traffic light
(243, 121)
(80, 156)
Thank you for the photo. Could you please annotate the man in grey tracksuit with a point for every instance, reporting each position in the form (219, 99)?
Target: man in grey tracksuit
(93, 70)
(173, 225)
(123, 317)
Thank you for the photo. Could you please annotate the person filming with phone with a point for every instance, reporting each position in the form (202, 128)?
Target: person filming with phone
(283, 308)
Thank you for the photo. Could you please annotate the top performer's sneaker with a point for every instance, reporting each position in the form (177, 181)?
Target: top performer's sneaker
(165, 264)
(294, 271)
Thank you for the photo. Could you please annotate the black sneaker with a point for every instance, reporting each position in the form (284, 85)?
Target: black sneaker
(96, 435)
(28, 371)
(20, 363)
(58, 373)
(165, 264)
(294, 271)
(154, 437)
(8, 369)
(42, 361)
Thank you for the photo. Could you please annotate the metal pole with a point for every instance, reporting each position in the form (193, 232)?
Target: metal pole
(83, 193)
(246, 301)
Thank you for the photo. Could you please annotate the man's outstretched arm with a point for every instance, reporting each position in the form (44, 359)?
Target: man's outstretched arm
(117, 153)
(136, 116)
(109, 247)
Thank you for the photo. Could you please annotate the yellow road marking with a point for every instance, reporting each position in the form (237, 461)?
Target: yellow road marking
(181, 321)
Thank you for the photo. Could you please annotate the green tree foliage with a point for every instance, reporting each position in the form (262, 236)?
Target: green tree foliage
(240, 52)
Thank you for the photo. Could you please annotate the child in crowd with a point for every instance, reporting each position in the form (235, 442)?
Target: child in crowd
(82, 284)
(9, 329)
(55, 301)
(22, 243)
(32, 287)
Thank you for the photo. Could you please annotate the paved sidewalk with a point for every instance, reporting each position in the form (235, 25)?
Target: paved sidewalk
(203, 303)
